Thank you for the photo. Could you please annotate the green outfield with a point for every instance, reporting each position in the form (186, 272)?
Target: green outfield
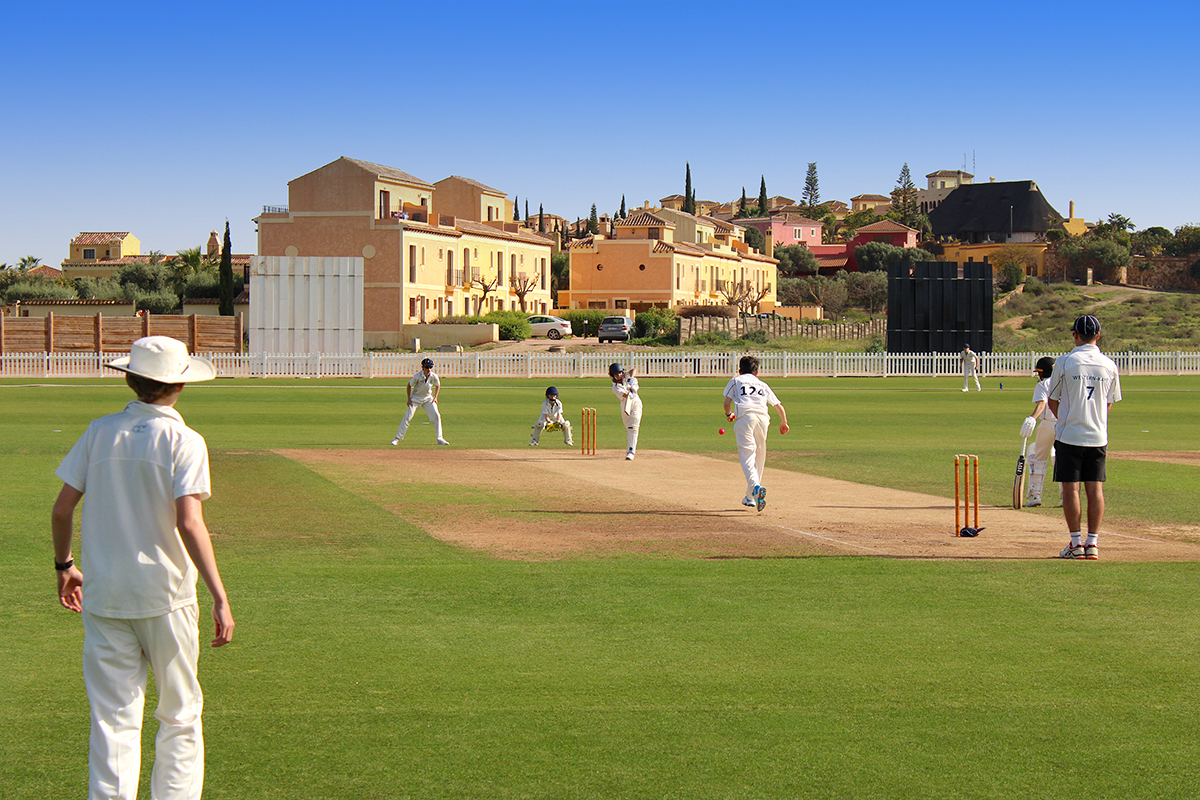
(372, 661)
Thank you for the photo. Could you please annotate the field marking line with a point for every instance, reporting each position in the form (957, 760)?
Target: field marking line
(1140, 538)
(835, 541)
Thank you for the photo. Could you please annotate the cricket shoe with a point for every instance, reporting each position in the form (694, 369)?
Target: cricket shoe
(629, 455)
(1072, 551)
(746, 501)
(442, 442)
(570, 444)
(533, 444)
(395, 441)
(1091, 552)
(760, 497)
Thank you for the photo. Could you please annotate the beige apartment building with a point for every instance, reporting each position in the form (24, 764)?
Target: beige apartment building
(668, 258)
(99, 254)
(428, 250)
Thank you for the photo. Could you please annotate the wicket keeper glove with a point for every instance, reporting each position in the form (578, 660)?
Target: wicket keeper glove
(1027, 427)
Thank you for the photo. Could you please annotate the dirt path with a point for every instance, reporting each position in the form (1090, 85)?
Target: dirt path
(560, 504)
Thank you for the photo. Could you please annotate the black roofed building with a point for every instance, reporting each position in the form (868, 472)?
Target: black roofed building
(1005, 211)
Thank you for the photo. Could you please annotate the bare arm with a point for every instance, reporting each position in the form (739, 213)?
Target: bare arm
(189, 514)
(62, 521)
(1038, 408)
(783, 426)
(1053, 404)
(728, 413)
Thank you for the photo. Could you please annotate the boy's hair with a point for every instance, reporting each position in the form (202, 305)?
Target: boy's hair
(149, 390)
(748, 365)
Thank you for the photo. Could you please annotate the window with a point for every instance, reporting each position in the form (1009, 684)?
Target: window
(412, 263)
(89, 254)
(422, 256)
(642, 267)
(385, 204)
(599, 267)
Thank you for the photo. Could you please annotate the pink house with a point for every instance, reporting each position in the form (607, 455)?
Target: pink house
(786, 229)
(887, 231)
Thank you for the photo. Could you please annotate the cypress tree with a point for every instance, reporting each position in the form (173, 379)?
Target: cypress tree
(688, 206)
(762, 198)
(541, 220)
(225, 299)
(516, 209)
(624, 214)
(593, 221)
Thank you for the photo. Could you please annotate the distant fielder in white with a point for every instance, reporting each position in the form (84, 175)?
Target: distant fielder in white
(970, 365)
(423, 390)
(551, 419)
(625, 387)
(747, 404)
(1043, 443)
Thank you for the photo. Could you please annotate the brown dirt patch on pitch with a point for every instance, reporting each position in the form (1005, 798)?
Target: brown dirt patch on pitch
(551, 502)
(1187, 458)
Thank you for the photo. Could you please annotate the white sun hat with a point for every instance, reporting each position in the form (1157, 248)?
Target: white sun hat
(166, 360)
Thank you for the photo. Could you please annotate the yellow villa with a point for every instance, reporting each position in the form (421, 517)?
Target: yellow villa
(669, 258)
(428, 250)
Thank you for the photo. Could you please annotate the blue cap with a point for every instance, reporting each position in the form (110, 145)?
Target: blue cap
(1087, 326)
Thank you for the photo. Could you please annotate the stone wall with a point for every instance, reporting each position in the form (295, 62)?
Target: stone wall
(1166, 273)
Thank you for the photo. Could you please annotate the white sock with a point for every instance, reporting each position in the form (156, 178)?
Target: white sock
(1076, 538)
(1091, 537)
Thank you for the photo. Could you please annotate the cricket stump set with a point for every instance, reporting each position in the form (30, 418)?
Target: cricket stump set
(587, 437)
(966, 487)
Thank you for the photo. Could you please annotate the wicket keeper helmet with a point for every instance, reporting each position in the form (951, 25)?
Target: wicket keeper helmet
(613, 369)
(426, 362)
(551, 390)
(1044, 367)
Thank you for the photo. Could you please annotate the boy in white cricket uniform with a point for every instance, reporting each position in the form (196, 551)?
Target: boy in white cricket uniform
(143, 542)
(747, 404)
(625, 387)
(552, 412)
(423, 389)
(970, 363)
(1043, 444)
(1084, 386)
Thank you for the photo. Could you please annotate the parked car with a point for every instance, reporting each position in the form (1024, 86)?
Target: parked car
(770, 315)
(614, 329)
(550, 327)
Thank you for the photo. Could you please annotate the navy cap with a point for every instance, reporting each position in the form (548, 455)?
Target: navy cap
(1087, 326)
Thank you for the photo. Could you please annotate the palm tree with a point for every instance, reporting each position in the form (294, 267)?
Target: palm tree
(28, 262)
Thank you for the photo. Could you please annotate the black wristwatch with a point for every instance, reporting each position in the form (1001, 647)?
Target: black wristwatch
(61, 567)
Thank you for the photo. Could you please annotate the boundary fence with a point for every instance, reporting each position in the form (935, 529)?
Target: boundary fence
(665, 364)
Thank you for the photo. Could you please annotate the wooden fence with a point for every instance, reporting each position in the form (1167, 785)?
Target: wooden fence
(775, 327)
(101, 334)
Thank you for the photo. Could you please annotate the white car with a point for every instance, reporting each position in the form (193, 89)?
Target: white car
(550, 327)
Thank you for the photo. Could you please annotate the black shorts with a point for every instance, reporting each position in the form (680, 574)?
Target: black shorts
(1074, 463)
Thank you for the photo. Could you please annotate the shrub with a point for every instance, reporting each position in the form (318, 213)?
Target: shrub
(208, 285)
(711, 337)
(89, 288)
(1011, 275)
(592, 316)
(707, 311)
(161, 301)
(655, 322)
(757, 336)
(1034, 286)
(514, 326)
(38, 290)
(145, 276)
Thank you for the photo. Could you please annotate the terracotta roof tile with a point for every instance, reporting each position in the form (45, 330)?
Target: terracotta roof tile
(98, 237)
(474, 183)
(885, 226)
(643, 219)
(391, 173)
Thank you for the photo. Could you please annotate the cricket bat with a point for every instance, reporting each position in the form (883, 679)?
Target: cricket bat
(1019, 480)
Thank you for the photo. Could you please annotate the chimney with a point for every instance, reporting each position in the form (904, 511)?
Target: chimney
(769, 242)
(214, 246)
(1071, 215)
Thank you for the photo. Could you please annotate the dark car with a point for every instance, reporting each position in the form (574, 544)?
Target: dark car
(615, 329)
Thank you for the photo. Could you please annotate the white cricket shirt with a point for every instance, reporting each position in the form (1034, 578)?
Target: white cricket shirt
(750, 396)
(422, 387)
(131, 467)
(1084, 382)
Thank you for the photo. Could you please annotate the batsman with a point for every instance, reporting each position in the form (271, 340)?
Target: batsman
(1043, 443)
(625, 387)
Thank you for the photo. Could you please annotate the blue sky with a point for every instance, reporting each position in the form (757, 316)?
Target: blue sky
(166, 119)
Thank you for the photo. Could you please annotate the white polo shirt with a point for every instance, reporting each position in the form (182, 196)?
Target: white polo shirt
(750, 396)
(1041, 393)
(422, 387)
(132, 466)
(1084, 382)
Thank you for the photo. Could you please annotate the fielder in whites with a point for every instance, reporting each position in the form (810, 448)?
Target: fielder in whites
(970, 367)
(143, 544)
(1083, 388)
(625, 387)
(423, 389)
(551, 419)
(1043, 444)
(747, 405)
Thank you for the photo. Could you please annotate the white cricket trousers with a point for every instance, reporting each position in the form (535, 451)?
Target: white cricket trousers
(116, 653)
(633, 421)
(431, 411)
(750, 431)
(969, 373)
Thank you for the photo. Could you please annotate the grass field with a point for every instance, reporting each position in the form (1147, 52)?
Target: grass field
(372, 661)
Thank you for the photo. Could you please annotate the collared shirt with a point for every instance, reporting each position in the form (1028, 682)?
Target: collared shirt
(750, 395)
(552, 411)
(422, 387)
(1084, 382)
(132, 466)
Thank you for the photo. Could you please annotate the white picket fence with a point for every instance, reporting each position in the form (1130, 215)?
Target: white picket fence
(652, 364)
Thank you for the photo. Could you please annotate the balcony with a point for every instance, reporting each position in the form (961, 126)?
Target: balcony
(275, 209)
